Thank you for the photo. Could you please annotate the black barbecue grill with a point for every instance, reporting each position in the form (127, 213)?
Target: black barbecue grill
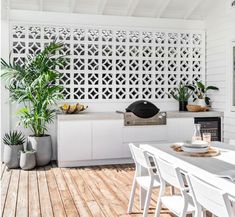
(143, 112)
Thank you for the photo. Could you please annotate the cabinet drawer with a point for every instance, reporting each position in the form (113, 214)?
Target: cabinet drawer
(144, 133)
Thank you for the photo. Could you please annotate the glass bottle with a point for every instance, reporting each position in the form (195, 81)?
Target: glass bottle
(197, 133)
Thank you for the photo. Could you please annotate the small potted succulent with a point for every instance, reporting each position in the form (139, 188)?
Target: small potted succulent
(182, 95)
(201, 90)
(27, 159)
(14, 142)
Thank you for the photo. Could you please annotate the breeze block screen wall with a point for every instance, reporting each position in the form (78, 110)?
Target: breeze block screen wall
(114, 64)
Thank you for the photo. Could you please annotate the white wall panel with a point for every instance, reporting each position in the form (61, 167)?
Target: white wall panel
(220, 31)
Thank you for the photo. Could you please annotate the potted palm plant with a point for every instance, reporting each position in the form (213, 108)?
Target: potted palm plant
(35, 86)
(201, 90)
(182, 95)
(13, 144)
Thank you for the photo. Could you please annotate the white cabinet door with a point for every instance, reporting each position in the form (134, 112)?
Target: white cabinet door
(74, 140)
(107, 139)
(180, 129)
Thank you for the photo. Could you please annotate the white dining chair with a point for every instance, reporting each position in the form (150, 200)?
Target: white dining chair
(181, 204)
(232, 142)
(147, 182)
(209, 197)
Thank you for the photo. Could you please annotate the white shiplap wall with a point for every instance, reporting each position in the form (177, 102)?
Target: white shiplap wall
(220, 31)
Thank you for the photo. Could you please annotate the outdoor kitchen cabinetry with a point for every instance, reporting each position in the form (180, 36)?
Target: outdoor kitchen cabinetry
(107, 139)
(74, 140)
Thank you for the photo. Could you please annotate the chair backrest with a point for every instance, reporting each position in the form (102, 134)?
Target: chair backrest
(210, 197)
(140, 156)
(232, 142)
(169, 173)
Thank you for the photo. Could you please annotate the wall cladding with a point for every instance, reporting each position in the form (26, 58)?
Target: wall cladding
(113, 64)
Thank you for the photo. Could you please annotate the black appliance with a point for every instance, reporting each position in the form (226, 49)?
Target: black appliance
(143, 109)
(210, 125)
(143, 112)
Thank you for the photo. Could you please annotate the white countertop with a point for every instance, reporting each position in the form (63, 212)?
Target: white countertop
(117, 116)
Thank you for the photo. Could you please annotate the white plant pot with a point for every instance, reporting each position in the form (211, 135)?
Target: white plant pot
(200, 102)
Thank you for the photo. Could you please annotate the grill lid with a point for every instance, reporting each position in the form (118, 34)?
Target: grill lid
(143, 109)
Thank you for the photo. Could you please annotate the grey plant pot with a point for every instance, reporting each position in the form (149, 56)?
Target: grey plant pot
(11, 155)
(42, 146)
(27, 160)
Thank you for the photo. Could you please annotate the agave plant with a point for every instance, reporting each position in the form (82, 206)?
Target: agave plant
(35, 85)
(14, 138)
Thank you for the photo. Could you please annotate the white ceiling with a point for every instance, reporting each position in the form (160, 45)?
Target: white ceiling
(177, 9)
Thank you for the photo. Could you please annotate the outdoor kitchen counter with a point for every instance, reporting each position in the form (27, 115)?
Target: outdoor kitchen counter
(117, 116)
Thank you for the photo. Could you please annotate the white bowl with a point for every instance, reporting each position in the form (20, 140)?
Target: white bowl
(198, 144)
(195, 150)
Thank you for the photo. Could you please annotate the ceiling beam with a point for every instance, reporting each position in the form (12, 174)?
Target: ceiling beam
(192, 8)
(132, 7)
(72, 5)
(163, 8)
(101, 6)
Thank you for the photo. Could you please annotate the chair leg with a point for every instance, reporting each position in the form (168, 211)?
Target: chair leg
(172, 190)
(159, 201)
(147, 201)
(132, 195)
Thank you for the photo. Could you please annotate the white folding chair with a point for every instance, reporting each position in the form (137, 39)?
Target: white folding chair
(181, 204)
(148, 182)
(232, 142)
(209, 197)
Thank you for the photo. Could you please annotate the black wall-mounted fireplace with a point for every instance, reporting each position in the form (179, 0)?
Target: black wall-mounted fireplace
(210, 125)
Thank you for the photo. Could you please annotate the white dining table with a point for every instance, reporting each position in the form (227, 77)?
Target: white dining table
(205, 168)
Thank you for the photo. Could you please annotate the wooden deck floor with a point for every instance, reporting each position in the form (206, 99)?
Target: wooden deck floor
(86, 192)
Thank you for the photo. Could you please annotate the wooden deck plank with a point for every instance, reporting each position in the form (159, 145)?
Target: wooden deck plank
(103, 202)
(86, 194)
(117, 189)
(11, 200)
(4, 188)
(22, 202)
(78, 200)
(34, 200)
(56, 201)
(45, 201)
(71, 192)
(67, 199)
(106, 191)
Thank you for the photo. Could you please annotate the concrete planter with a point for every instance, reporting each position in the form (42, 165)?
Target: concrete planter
(11, 155)
(27, 160)
(43, 147)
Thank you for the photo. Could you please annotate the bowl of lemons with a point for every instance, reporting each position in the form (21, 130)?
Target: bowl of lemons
(73, 108)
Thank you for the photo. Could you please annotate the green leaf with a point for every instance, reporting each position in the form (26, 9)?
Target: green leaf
(212, 88)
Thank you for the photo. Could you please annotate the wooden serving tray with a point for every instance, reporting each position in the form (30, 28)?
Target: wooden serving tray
(212, 152)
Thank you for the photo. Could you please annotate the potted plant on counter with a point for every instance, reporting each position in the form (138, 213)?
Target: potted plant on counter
(201, 90)
(13, 144)
(34, 85)
(182, 95)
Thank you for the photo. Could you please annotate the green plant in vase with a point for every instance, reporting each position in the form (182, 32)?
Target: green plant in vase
(13, 144)
(182, 95)
(201, 91)
(35, 86)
